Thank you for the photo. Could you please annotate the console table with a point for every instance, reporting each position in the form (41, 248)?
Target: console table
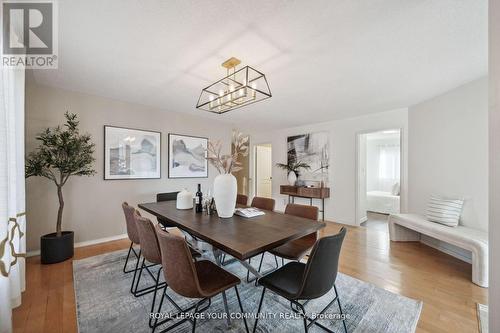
(307, 192)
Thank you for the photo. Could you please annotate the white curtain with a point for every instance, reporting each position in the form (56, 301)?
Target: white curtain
(389, 166)
(12, 197)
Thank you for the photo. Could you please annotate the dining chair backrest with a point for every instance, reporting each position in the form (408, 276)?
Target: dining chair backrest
(132, 232)
(263, 203)
(178, 267)
(167, 196)
(307, 212)
(242, 199)
(322, 266)
(150, 248)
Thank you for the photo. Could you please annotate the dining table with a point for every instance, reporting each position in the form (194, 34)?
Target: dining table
(238, 236)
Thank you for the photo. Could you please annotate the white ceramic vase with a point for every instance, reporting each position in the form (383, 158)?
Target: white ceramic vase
(292, 178)
(225, 191)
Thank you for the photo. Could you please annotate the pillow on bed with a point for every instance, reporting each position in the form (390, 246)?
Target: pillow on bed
(395, 189)
(444, 211)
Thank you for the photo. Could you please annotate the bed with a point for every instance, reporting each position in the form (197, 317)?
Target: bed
(382, 202)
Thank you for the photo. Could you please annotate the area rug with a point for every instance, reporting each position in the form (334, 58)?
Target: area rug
(104, 303)
(482, 315)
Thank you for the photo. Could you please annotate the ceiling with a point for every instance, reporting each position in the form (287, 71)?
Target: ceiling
(323, 60)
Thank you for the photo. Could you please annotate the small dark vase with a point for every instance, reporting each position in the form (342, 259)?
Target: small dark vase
(55, 249)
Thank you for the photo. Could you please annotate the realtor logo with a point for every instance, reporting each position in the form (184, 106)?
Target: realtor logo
(29, 34)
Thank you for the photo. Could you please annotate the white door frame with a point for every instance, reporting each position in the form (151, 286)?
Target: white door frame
(402, 166)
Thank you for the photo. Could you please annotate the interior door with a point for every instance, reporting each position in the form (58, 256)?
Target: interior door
(264, 171)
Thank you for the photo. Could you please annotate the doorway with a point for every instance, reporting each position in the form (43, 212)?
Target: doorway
(263, 170)
(378, 178)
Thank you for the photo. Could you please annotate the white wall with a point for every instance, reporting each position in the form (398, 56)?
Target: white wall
(448, 145)
(93, 205)
(340, 207)
(494, 225)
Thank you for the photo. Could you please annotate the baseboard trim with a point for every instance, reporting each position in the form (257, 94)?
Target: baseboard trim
(85, 243)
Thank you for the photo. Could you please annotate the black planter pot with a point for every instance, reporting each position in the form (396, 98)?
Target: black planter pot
(55, 249)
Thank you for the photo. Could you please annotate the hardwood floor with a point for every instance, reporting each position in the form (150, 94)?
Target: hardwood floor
(376, 221)
(410, 269)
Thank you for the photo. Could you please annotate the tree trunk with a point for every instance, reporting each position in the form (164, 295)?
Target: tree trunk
(60, 211)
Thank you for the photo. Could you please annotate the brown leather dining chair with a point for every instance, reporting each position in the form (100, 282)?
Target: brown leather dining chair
(201, 279)
(133, 236)
(264, 204)
(242, 199)
(300, 283)
(298, 248)
(150, 250)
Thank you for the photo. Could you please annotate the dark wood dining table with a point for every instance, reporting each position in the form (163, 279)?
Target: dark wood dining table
(237, 236)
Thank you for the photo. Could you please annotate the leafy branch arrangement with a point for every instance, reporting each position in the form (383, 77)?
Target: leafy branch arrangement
(293, 166)
(63, 152)
(225, 163)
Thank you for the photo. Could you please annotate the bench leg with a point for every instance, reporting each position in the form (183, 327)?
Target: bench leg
(402, 234)
(480, 268)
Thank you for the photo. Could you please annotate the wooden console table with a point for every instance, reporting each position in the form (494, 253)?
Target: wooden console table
(307, 192)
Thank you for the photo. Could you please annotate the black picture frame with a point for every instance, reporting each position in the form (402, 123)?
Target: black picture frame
(107, 176)
(170, 153)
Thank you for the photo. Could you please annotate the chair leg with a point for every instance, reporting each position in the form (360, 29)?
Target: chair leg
(258, 310)
(197, 311)
(248, 271)
(241, 308)
(304, 317)
(340, 308)
(261, 261)
(276, 260)
(181, 311)
(138, 277)
(155, 324)
(195, 315)
(135, 272)
(154, 296)
(126, 260)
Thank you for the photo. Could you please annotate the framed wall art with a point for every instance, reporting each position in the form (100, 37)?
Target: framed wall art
(131, 153)
(187, 156)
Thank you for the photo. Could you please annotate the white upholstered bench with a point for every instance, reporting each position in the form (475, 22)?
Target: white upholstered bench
(409, 227)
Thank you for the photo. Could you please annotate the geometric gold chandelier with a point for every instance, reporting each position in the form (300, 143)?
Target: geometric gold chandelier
(239, 88)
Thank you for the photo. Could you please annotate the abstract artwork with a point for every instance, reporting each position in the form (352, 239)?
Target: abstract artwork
(131, 153)
(312, 149)
(187, 156)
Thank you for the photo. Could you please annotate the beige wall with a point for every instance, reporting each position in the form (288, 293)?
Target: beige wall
(93, 205)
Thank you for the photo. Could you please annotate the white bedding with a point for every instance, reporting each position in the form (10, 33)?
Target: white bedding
(382, 202)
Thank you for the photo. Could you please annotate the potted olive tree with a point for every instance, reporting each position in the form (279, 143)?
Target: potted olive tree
(292, 168)
(63, 152)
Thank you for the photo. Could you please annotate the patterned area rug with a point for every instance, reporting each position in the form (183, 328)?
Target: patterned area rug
(104, 303)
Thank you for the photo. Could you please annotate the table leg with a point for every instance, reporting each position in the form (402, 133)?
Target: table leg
(251, 269)
(323, 209)
(217, 254)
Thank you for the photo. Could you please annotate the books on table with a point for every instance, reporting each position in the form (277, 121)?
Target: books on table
(248, 212)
